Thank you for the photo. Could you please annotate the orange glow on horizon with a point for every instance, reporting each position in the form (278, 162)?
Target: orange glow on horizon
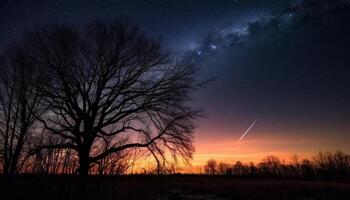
(261, 142)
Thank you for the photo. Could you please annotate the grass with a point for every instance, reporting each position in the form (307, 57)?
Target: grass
(168, 187)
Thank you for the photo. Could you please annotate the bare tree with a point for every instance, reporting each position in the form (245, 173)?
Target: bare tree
(295, 163)
(211, 167)
(18, 107)
(329, 164)
(307, 169)
(108, 82)
(224, 168)
(238, 168)
(342, 163)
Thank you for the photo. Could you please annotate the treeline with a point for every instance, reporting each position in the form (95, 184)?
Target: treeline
(324, 165)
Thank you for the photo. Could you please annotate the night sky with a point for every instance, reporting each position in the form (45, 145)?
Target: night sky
(283, 63)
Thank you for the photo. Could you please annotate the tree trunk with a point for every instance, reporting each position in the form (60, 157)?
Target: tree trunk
(17, 154)
(84, 163)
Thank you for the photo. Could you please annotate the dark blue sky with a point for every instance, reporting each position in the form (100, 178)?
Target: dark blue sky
(284, 62)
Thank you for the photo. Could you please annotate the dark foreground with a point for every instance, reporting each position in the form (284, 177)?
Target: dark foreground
(168, 187)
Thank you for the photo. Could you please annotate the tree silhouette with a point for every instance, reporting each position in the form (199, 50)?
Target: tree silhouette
(224, 168)
(324, 165)
(238, 168)
(211, 167)
(18, 107)
(307, 169)
(109, 88)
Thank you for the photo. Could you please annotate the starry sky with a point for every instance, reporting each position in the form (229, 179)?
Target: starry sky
(283, 63)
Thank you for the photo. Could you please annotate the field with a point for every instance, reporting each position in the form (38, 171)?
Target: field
(169, 187)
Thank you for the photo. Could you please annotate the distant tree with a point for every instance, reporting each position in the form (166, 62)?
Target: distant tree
(19, 106)
(107, 82)
(270, 166)
(295, 165)
(252, 169)
(307, 169)
(211, 167)
(342, 163)
(331, 164)
(323, 164)
(224, 168)
(295, 160)
(238, 168)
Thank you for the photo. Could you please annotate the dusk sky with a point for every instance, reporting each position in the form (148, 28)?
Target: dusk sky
(285, 64)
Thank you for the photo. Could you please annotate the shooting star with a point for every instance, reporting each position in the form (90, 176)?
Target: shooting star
(247, 131)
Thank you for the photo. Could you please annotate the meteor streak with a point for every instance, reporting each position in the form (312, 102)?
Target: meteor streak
(246, 132)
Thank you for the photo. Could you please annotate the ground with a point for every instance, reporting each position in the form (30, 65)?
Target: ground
(169, 187)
